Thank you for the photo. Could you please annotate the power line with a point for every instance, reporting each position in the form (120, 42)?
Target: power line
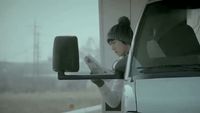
(36, 48)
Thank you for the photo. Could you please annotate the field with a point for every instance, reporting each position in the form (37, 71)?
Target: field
(48, 102)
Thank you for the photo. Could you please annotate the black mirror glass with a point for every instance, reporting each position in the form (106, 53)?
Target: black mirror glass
(65, 54)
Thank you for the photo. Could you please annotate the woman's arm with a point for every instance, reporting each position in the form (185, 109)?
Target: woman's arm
(112, 92)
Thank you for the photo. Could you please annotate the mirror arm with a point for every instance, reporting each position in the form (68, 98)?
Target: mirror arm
(62, 76)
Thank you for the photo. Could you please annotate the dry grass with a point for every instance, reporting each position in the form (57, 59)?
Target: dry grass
(49, 102)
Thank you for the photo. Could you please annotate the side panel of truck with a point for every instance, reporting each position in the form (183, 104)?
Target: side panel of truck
(169, 95)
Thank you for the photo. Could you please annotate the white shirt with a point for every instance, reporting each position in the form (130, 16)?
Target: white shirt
(112, 91)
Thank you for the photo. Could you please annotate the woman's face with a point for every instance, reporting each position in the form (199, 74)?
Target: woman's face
(119, 47)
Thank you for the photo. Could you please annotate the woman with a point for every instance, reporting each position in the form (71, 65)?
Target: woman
(119, 38)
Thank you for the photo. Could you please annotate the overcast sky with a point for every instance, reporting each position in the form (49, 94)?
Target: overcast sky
(53, 17)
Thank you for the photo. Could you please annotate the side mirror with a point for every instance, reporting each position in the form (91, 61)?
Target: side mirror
(65, 54)
(66, 59)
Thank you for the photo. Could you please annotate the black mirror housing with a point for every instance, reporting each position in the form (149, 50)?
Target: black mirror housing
(65, 54)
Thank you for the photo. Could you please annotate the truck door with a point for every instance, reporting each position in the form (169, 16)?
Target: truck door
(165, 62)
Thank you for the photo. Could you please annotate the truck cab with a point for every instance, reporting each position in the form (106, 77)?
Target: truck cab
(163, 68)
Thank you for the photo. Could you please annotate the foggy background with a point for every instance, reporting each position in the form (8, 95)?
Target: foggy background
(28, 29)
(51, 18)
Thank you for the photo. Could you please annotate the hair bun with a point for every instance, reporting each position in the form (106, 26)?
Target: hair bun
(124, 21)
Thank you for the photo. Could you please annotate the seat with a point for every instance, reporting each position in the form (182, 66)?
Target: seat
(179, 41)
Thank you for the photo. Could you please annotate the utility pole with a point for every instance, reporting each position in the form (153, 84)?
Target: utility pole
(36, 48)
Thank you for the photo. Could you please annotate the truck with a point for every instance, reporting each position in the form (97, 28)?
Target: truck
(163, 68)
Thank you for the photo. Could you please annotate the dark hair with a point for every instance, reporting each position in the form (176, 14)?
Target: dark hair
(121, 31)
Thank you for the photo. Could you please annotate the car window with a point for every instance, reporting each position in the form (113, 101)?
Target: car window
(167, 40)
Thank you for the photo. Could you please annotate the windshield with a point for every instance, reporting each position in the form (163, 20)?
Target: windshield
(167, 40)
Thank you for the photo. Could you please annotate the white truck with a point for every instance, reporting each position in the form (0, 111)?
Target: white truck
(163, 68)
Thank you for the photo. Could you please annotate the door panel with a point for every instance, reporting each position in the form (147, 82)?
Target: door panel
(168, 95)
